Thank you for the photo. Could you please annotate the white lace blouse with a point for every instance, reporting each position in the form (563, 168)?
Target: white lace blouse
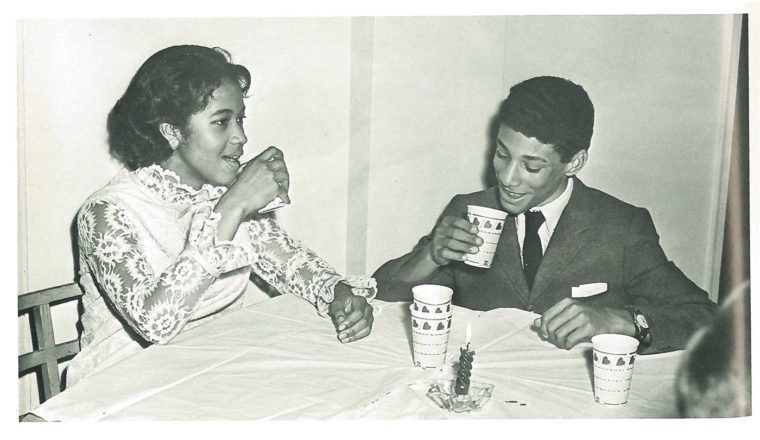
(151, 265)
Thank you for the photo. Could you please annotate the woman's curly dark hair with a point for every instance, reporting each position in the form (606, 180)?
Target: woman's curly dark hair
(170, 86)
(553, 110)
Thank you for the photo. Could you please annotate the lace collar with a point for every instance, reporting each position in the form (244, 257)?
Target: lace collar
(166, 185)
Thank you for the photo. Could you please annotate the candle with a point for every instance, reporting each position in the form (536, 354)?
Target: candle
(462, 386)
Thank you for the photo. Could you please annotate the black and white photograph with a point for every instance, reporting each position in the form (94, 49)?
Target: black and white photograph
(370, 217)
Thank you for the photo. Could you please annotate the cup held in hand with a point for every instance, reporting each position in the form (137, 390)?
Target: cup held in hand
(276, 203)
(490, 223)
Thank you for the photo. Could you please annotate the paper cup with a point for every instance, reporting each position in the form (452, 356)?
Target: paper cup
(430, 339)
(490, 223)
(276, 203)
(432, 299)
(431, 311)
(613, 367)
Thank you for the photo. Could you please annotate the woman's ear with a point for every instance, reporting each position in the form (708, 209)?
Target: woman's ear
(171, 134)
(576, 163)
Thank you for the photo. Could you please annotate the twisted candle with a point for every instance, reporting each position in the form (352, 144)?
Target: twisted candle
(462, 386)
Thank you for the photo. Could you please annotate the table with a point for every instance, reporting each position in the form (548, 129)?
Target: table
(279, 360)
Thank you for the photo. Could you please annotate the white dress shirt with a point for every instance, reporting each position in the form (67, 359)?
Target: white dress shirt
(551, 211)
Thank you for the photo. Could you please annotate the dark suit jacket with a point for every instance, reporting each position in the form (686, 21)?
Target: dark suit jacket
(598, 239)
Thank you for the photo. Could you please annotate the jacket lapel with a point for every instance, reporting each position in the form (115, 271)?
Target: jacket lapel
(507, 260)
(567, 239)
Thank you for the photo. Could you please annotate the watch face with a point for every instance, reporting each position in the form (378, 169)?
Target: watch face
(641, 320)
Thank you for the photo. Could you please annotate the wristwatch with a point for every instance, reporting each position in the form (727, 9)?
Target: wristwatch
(641, 324)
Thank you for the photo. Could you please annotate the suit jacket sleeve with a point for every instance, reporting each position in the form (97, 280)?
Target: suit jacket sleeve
(391, 288)
(673, 305)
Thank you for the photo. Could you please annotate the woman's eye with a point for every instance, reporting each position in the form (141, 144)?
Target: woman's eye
(532, 170)
(501, 154)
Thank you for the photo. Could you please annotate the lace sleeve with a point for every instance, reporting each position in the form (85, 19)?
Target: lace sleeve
(290, 267)
(156, 306)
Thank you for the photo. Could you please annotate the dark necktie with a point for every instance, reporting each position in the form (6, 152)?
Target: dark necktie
(532, 253)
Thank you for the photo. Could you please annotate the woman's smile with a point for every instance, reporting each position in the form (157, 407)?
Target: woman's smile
(233, 159)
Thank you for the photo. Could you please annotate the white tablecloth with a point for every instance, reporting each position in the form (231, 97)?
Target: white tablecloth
(279, 360)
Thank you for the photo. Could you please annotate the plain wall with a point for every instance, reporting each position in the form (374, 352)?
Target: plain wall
(382, 120)
(437, 84)
(662, 90)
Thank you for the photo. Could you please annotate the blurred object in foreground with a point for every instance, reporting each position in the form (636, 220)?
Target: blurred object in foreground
(715, 376)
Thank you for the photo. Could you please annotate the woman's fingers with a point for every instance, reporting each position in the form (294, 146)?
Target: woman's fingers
(276, 165)
(266, 177)
(269, 154)
(352, 319)
(361, 334)
(284, 197)
(281, 178)
(358, 323)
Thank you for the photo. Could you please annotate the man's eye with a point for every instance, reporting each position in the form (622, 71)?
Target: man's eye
(222, 122)
(240, 119)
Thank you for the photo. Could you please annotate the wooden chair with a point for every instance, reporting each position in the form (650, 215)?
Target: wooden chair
(46, 354)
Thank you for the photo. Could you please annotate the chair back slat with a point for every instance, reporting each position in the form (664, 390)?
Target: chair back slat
(48, 296)
(43, 326)
(28, 361)
(46, 353)
(51, 380)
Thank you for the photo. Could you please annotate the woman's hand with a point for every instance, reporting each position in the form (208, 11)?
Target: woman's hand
(351, 314)
(261, 180)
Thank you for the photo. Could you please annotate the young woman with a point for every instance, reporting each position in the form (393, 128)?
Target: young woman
(171, 241)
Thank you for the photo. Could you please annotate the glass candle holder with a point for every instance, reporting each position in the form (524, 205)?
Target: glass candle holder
(442, 392)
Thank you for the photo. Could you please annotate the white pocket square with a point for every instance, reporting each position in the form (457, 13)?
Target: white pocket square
(586, 290)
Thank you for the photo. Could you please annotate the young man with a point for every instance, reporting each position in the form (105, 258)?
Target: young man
(586, 261)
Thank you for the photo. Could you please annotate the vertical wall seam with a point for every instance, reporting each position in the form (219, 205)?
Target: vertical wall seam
(732, 26)
(360, 121)
(22, 238)
(26, 384)
(504, 85)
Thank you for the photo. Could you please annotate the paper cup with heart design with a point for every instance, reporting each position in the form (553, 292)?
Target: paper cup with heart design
(614, 356)
(432, 299)
(490, 223)
(430, 338)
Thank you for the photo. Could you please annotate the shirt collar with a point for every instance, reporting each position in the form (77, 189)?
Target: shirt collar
(165, 184)
(553, 210)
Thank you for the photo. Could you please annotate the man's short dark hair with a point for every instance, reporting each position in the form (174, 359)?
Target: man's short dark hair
(715, 375)
(553, 110)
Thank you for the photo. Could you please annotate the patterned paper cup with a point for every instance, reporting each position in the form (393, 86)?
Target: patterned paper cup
(431, 310)
(490, 223)
(430, 338)
(614, 356)
(431, 300)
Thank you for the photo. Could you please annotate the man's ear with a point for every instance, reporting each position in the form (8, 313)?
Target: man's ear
(171, 134)
(576, 163)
